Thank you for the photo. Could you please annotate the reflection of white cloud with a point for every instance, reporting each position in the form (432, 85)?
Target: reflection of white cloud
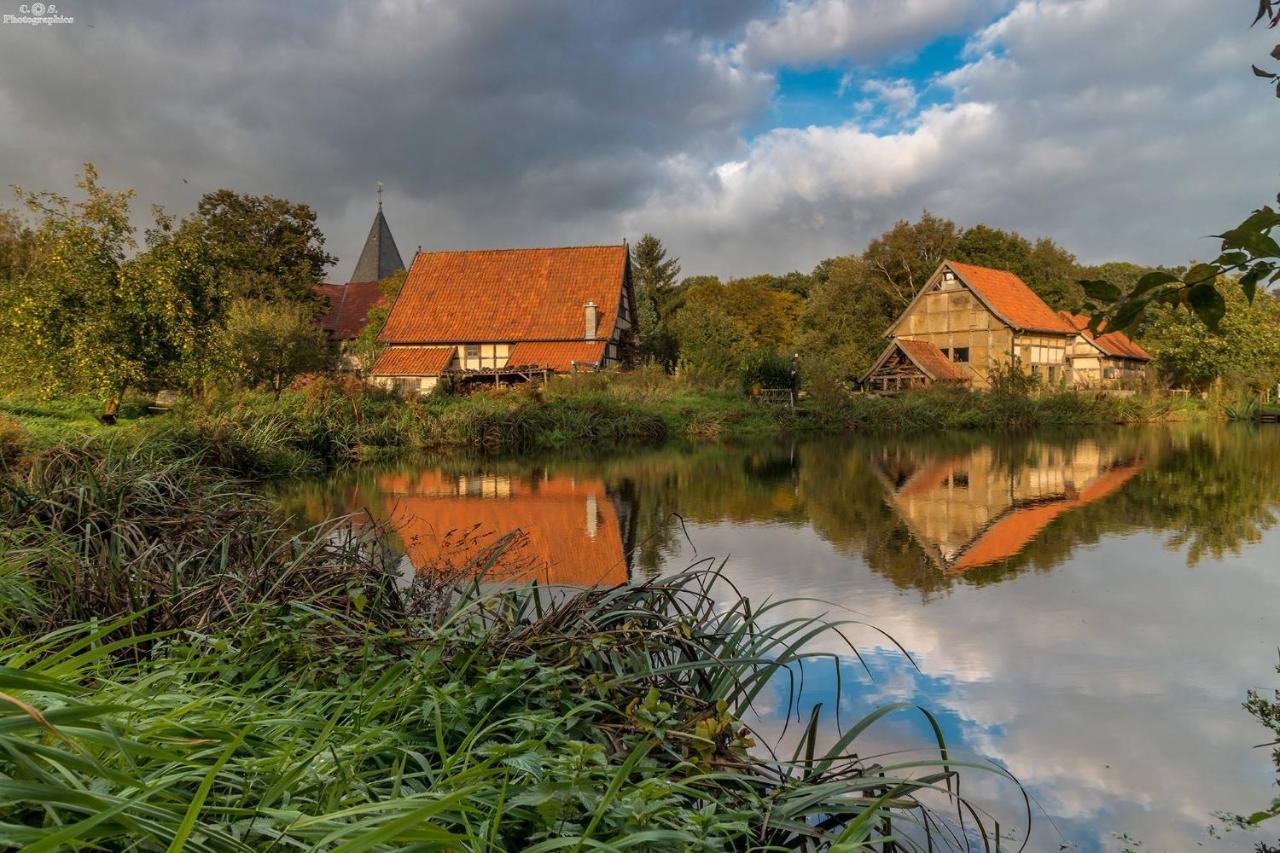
(1110, 685)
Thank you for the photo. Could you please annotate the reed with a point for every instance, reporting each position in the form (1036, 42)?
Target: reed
(293, 691)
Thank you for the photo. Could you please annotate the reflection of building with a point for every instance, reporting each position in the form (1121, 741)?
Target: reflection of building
(575, 532)
(977, 509)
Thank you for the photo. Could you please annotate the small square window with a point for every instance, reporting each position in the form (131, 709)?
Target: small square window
(960, 355)
(473, 350)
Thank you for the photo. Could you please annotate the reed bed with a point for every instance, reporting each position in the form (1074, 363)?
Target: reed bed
(178, 671)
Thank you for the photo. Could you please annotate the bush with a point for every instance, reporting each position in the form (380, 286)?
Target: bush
(764, 368)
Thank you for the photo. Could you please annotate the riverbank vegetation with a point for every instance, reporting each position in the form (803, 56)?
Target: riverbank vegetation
(176, 668)
(325, 421)
(225, 300)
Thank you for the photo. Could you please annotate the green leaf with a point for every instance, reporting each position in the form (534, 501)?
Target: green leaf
(1126, 315)
(1104, 291)
(1256, 243)
(1152, 280)
(1249, 283)
(1202, 274)
(1207, 302)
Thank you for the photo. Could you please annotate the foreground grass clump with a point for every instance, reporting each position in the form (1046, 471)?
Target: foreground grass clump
(255, 696)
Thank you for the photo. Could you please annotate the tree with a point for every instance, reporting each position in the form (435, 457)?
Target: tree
(720, 324)
(1047, 268)
(903, 258)
(1243, 351)
(654, 275)
(85, 318)
(844, 317)
(263, 247)
(270, 343)
(366, 347)
(15, 246)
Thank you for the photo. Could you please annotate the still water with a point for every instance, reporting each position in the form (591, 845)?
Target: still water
(1086, 611)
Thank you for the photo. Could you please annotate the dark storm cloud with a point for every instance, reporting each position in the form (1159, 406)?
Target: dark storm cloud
(487, 108)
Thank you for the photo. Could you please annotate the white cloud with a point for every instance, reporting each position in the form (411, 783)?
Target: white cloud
(861, 31)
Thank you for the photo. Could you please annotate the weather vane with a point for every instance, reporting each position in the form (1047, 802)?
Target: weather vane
(379, 195)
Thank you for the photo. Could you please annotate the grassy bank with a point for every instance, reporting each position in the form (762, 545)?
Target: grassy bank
(330, 421)
(176, 668)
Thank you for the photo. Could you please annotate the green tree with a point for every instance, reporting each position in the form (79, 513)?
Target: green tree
(654, 276)
(1243, 351)
(270, 343)
(902, 259)
(85, 317)
(263, 247)
(719, 324)
(1047, 268)
(16, 246)
(366, 347)
(843, 320)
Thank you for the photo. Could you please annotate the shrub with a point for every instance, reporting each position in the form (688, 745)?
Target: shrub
(764, 368)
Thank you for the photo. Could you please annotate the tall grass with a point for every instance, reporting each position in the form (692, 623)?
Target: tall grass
(278, 691)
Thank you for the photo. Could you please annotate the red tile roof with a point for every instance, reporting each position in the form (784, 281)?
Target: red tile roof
(349, 306)
(413, 361)
(1011, 298)
(1112, 343)
(507, 295)
(557, 355)
(931, 360)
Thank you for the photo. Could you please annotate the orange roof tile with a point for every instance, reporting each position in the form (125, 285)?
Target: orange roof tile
(1112, 343)
(557, 355)
(507, 295)
(1015, 530)
(412, 361)
(1011, 298)
(349, 306)
(931, 360)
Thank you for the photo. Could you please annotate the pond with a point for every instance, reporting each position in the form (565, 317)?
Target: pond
(1087, 611)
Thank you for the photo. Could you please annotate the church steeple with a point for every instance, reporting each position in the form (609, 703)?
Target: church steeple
(379, 258)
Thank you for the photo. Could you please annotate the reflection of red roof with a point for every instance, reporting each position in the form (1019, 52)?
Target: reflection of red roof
(507, 295)
(1015, 530)
(1112, 343)
(557, 355)
(1011, 298)
(931, 360)
(573, 537)
(412, 361)
(349, 306)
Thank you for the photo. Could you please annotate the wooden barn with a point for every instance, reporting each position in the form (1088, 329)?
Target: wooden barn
(508, 315)
(1106, 359)
(966, 321)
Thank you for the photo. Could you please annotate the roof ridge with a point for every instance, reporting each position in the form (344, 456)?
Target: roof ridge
(523, 249)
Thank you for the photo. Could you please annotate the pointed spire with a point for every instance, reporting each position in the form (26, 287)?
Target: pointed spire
(379, 258)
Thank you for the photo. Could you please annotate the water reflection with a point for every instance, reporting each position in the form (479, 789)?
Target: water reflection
(974, 509)
(1089, 611)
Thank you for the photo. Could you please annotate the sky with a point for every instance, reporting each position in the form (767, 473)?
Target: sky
(750, 135)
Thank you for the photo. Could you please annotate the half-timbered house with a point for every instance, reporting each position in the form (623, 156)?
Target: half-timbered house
(967, 321)
(508, 315)
(1105, 359)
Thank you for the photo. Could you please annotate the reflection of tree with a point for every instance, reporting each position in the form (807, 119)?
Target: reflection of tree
(1209, 490)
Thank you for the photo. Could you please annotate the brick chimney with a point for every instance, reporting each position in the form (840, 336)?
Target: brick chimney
(591, 319)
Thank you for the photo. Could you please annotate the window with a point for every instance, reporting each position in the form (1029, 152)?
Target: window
(473, 350)
(1108, 373)
(960, 355)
